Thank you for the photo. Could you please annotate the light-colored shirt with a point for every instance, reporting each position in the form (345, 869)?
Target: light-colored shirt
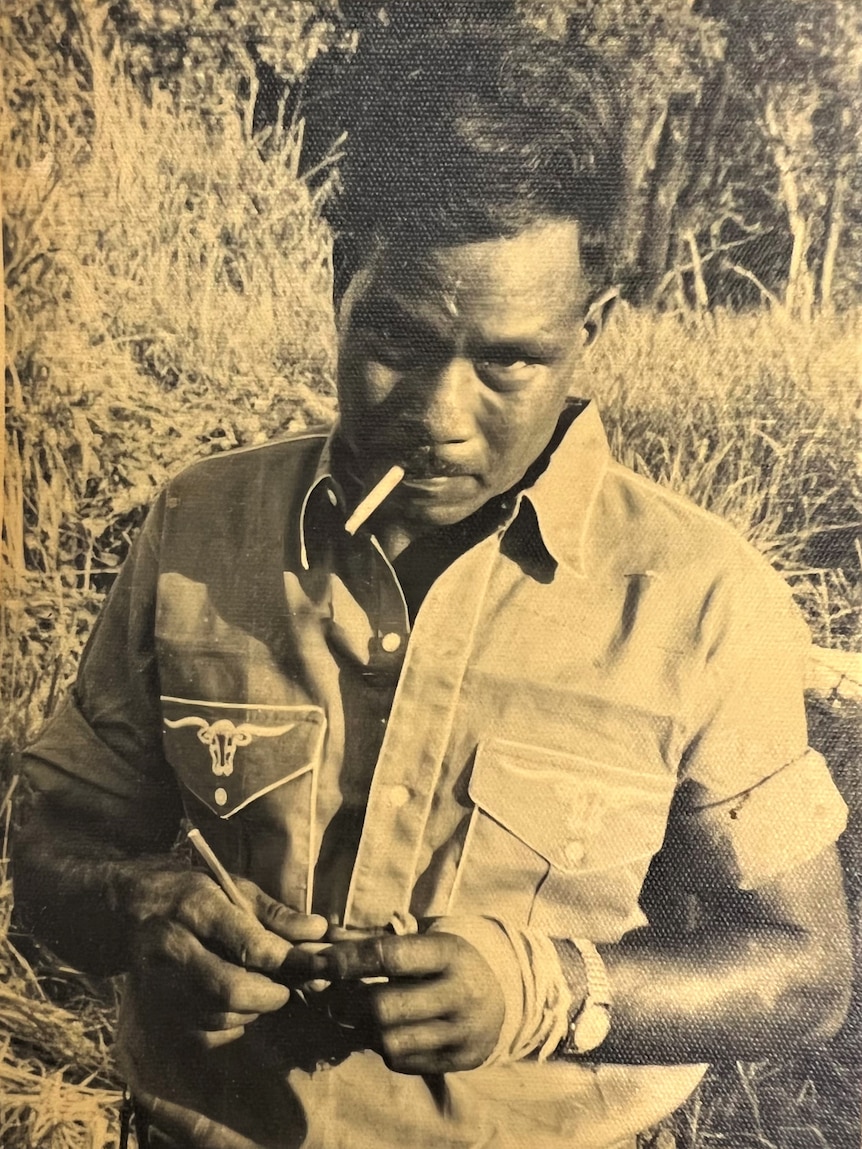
(609, 675)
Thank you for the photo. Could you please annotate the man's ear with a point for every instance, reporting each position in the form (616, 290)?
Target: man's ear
(598, 313)
(351, 267)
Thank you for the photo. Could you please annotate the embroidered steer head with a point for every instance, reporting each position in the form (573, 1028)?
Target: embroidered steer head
(222, 737)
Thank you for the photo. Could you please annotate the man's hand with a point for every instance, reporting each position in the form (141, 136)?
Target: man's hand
(207, 965)
(442, 1009)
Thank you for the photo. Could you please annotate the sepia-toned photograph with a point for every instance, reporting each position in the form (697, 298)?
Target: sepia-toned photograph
(431, 574)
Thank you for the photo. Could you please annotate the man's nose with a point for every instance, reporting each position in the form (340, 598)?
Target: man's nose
(443, 401)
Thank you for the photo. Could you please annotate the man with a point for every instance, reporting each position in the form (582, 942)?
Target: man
(454, 756)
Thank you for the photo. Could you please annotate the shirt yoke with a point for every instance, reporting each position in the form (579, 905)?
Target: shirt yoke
(641, 527)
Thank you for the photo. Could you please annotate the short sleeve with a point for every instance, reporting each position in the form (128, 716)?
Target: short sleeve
(100, 758)
(756, 799)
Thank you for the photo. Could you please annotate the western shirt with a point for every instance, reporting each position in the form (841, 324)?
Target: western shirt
(598, 703)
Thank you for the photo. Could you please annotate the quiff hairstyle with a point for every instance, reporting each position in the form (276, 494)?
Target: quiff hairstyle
(468, 131)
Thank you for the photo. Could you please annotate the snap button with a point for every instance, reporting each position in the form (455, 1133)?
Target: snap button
(575, 853)
(397, 796)
(390, 642)
(221, 796)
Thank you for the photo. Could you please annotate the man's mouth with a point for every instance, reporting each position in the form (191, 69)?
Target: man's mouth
(430, 474)
(425, 466)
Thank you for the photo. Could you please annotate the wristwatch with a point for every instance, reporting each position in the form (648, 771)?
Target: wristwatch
(591, 1024)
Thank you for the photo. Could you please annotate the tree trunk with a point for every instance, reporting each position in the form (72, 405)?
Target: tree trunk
(701, 295)
(798, 271)
(799, 292)
(669, 177)
(834, 227)
(640, 149)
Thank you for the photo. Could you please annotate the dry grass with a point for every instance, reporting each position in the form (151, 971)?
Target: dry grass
(758, 419)
(167, 296)
(57, 1089)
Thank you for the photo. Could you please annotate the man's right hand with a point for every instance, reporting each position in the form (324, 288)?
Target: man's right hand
(207, 966)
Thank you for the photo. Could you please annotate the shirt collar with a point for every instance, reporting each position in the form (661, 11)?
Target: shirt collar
(563, 496)
(323, 486)
(565, 493)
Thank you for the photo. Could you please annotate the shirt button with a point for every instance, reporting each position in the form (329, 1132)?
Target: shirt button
(575, 853)
(397, 796)
(221, 796)
(390, 642)
(331, 495)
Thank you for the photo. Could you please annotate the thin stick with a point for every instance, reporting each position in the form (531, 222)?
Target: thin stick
(374, 498)
(218, 871)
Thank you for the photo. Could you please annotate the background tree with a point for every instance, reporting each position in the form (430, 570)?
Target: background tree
(743, 145)
(797, 65)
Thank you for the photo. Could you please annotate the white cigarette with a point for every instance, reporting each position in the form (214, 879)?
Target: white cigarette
(374, 498)
(218, 871)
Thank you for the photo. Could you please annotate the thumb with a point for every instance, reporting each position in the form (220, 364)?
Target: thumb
(286, 922)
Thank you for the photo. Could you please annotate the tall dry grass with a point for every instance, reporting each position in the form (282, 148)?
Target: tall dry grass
(168, 296)
(759, 419)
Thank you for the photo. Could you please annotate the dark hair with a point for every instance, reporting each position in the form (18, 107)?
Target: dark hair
(472, 130)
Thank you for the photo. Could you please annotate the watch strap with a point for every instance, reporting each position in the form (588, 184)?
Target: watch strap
(590, 1024)
(598, 983)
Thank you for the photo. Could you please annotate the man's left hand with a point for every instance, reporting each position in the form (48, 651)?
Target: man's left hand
(442, 1008)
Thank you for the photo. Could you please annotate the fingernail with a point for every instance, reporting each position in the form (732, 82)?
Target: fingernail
(318, 985)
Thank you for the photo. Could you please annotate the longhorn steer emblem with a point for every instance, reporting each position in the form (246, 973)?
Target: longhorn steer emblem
(222, 738)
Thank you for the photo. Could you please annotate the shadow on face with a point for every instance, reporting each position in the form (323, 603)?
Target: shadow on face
(455, 362)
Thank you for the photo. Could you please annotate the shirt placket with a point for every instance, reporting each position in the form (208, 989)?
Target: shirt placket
(417, 736)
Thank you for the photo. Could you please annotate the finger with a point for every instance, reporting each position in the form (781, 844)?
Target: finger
(389, 956)
(213, 1022)
(455, 1060)
(237, 990)
(396, 1004)
(190, 1129)
(337, 933)
(210, 979)
(304, 963)
(216, 1038)
(282, 920)
(316, 985)
(235, 932)
(408, 1041)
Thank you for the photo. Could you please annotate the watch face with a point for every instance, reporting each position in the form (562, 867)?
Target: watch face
(591, 1027)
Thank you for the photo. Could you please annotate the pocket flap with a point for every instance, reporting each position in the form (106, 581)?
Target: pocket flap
(579, 814)
(229, 754)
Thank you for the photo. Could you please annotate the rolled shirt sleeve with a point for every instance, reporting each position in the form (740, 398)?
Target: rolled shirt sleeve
(101, 756)
(756, 799)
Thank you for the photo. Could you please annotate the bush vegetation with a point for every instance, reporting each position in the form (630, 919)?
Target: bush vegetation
(167, 296)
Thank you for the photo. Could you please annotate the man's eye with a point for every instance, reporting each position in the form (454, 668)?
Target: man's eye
(398, 350)
(507, 370)
(393, 351)
(509, 363)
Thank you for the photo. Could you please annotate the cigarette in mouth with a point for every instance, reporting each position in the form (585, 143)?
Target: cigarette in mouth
(374, 498)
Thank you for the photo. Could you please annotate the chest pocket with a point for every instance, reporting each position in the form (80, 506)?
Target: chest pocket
(230, 755)
(559, 841)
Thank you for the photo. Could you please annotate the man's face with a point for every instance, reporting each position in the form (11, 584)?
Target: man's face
(455, 364)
